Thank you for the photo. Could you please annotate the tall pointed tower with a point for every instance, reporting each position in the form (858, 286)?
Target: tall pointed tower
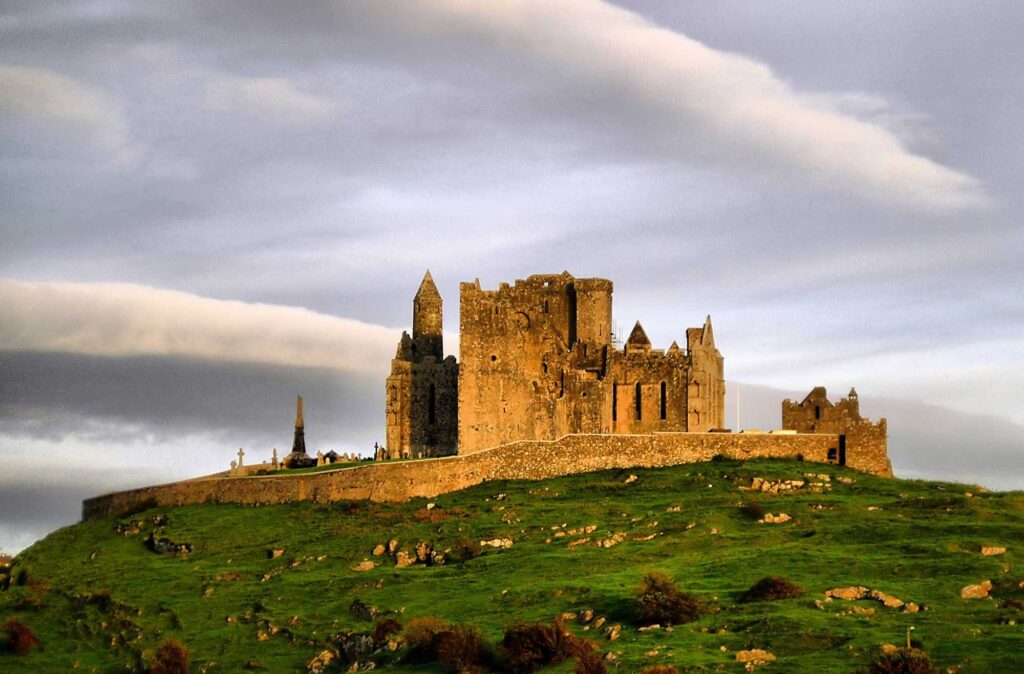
(427, 320)
(422, 391)
(706, 380)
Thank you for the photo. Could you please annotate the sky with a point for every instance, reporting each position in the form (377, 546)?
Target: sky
(207, 209)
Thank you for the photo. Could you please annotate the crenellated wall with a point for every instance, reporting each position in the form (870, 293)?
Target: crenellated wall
(392, 481)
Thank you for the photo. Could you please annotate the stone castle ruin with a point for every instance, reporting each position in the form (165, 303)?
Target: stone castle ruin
(537, 362)
(540, 389)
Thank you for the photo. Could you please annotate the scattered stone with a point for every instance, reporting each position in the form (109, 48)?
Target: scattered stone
(911, 607)
(586, 616)
(275, 553)
(579, 541)
(379, 550)
(754, 657)
(501, 497)
(567, 616)
(631, 479)
(845, 480)
(612, 540)
(613, 632)
(358, 666)
(674, 509)
(872, 508)
(262, 636)
(423, 550)
(167, 546)
(714, 531)
(775, 519)
(992, 550)
(431, 506)
(392, 546)
(599, 623)
(888, 600)
(978, 591)
(365, 565)
(499, 543)
(848, 593)
(645, 538)
(649, 628)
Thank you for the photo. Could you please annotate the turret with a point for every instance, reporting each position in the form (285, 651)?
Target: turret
(427, 320)
(638, 340)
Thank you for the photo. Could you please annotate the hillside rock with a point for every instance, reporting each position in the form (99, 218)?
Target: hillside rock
(848, 593)
(977, 591)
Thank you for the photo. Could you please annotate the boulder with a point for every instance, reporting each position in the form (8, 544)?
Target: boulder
(847, 593)
(321, 662)
(978, 591)
(992, 550)
(887, 599)
(631, 479)
(754, 656)
(403, 559)
(379, 550)
(365, 565)
(392, 546)
(499, 543)
(776, 519)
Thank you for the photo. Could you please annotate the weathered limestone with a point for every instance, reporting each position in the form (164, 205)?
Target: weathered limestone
(862, 444)
(422, 390)
(527, 460)
(537, 362)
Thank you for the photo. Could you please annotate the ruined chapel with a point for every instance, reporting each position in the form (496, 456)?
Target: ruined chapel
(538, 361)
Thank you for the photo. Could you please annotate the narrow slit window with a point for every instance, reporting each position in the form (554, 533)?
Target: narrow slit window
(432, 405)
(817, 411)
(615, 402)
(639, 402)
(664, 402)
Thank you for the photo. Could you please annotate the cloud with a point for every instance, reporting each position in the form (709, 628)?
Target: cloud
(273, 98)
(735, 104)
(44, 105)
(120, 319)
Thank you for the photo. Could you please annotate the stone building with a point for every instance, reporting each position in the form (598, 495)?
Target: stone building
(817, 414)
(537, 362)
(422, 397)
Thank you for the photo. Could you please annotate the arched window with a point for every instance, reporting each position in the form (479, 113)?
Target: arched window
(639, 402)
(664, 402)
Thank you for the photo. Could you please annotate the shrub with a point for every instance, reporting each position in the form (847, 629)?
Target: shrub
(753, 510)
(903, 661)
(771, 588)
(461, 649)
(171, 658)
(465, 549)
(383, 630)
(421, 637)
(590, 663)
(527, 647)
(661, 669)
(660, 601)
(18, 638)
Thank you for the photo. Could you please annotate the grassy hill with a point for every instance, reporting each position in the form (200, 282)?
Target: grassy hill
(99, 599)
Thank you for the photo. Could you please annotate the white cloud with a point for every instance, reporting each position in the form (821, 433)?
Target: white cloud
(733, 102)
(120, 319)
(40, 102)
(272, 98)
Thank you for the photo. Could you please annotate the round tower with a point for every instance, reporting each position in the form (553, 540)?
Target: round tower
(427, 320)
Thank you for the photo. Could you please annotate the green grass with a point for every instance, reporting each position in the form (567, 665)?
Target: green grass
(921, 545)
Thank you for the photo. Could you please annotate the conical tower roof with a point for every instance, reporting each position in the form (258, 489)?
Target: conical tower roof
(427, 287)
(638, 337)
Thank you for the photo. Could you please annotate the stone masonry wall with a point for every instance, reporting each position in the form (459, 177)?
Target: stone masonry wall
(526, 460)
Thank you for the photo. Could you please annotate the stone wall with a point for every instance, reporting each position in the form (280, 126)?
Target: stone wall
(526, 460)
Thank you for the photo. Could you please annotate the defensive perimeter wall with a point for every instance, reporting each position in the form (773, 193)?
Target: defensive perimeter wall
(392, 481)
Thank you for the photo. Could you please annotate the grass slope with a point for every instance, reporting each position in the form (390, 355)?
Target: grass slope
(99, 601)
